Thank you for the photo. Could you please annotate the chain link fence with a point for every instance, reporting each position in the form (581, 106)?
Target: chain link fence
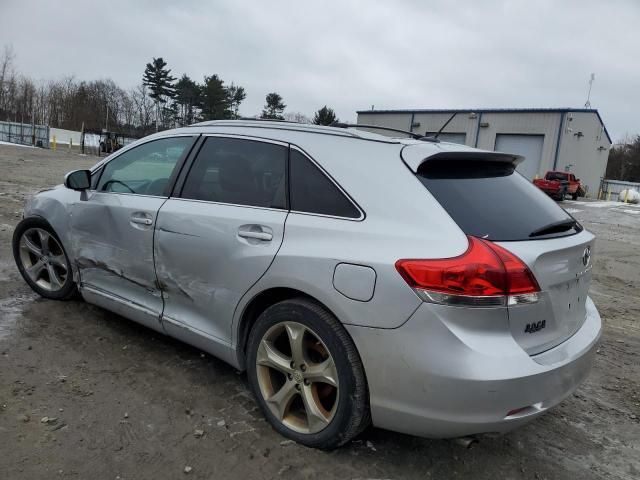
(610, 189)
(24, 134)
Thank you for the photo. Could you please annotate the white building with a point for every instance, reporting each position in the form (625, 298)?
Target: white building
(565, 139)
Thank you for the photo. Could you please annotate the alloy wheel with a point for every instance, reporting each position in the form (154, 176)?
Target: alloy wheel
(297, 377)
(43, 259)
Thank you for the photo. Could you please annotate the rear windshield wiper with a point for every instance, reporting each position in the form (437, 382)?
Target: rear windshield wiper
(555, 227)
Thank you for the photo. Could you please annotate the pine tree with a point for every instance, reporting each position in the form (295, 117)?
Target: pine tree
(157, 77)
(274, 107)
(189, 98)
(236, 96)
(324, 116)
(216, 104)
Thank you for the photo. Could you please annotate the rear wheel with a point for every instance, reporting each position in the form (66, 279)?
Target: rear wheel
(41, 259)
(307, 375)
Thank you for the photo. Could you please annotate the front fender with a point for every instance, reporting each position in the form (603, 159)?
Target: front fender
(54, 207)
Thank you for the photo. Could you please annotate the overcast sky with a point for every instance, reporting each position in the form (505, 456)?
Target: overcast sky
(350, 54)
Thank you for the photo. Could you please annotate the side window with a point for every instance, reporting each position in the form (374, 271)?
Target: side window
(240, 172)
(313, 192)
(145, 169)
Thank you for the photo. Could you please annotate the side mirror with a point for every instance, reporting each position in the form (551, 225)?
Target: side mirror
(78, 180)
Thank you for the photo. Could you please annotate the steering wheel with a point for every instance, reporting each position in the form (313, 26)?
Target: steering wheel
(111, 182)
(157, 187)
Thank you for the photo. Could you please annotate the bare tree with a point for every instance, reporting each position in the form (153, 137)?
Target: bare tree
(296, 117)
(144, 107)
(6, 72)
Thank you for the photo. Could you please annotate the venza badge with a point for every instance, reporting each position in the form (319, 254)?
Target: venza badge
(535, 326)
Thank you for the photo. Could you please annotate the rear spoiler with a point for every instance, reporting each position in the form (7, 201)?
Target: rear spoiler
(414, 156)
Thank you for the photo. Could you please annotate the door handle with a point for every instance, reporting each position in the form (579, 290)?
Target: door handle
(265, 236)
(141, 220)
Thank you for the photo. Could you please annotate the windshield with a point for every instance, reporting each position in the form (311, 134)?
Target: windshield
(491, 200)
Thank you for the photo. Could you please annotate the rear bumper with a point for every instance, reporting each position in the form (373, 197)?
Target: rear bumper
(550, 191)
(439, 376)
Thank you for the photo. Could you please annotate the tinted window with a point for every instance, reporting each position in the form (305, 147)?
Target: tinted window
(241, 172)
(312, 191)
(145, 169)
(556, 176)
(491, 200)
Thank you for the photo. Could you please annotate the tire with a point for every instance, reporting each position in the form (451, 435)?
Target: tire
(36, 244)
(574, 196)
(341, 411)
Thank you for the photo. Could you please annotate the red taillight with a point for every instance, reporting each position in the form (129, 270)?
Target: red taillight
(486, 274)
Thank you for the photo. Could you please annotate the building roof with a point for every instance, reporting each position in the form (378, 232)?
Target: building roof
(494, 110)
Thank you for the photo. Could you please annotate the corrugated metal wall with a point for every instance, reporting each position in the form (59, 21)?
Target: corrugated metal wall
(583, 154)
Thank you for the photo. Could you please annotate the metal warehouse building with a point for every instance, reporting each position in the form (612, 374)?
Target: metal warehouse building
(565, 139)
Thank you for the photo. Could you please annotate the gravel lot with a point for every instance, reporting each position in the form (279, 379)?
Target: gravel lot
(124, 402)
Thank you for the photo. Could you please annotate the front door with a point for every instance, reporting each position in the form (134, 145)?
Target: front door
(219, 235)
(112, 230)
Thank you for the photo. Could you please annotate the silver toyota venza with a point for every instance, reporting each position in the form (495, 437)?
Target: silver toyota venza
(424, 287)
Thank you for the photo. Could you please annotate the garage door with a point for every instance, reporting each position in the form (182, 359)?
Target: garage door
(529, 146)
(452, 137)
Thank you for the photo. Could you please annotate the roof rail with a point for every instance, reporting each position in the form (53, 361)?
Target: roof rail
(277, 124)
(279, 120)
(415, 136)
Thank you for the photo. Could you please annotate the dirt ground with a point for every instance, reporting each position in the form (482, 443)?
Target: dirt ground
(123, 402)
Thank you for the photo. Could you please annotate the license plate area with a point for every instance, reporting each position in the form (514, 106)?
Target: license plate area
(568, 300)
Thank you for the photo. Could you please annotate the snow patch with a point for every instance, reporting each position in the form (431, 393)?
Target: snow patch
(15, 144)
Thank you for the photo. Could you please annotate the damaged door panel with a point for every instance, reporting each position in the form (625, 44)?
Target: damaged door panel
(114, 255)
(204, 265)
(216, 241)
(112, 230)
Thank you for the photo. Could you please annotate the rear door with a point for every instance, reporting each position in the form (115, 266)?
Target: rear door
(491, 200)
(219, 233)
(112, 229)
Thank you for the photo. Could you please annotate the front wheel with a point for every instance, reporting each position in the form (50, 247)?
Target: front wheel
(307, 375)
(41, 259)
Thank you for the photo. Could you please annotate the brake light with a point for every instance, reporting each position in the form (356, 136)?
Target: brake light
(485, 275)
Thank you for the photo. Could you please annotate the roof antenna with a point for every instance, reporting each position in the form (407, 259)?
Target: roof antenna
(444, 126)
(587, 104)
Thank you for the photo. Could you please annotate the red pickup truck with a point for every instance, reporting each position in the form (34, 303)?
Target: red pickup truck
(559, 184)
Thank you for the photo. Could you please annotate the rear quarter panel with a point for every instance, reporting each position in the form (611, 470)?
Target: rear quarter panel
(402, 220)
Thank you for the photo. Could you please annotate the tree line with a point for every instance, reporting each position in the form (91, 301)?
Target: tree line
(624, 160)
(161, 101)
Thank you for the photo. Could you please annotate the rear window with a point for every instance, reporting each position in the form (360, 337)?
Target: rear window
(491, 200)
(556, 176)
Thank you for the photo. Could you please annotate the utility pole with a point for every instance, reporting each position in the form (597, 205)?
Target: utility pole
(106, 120)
